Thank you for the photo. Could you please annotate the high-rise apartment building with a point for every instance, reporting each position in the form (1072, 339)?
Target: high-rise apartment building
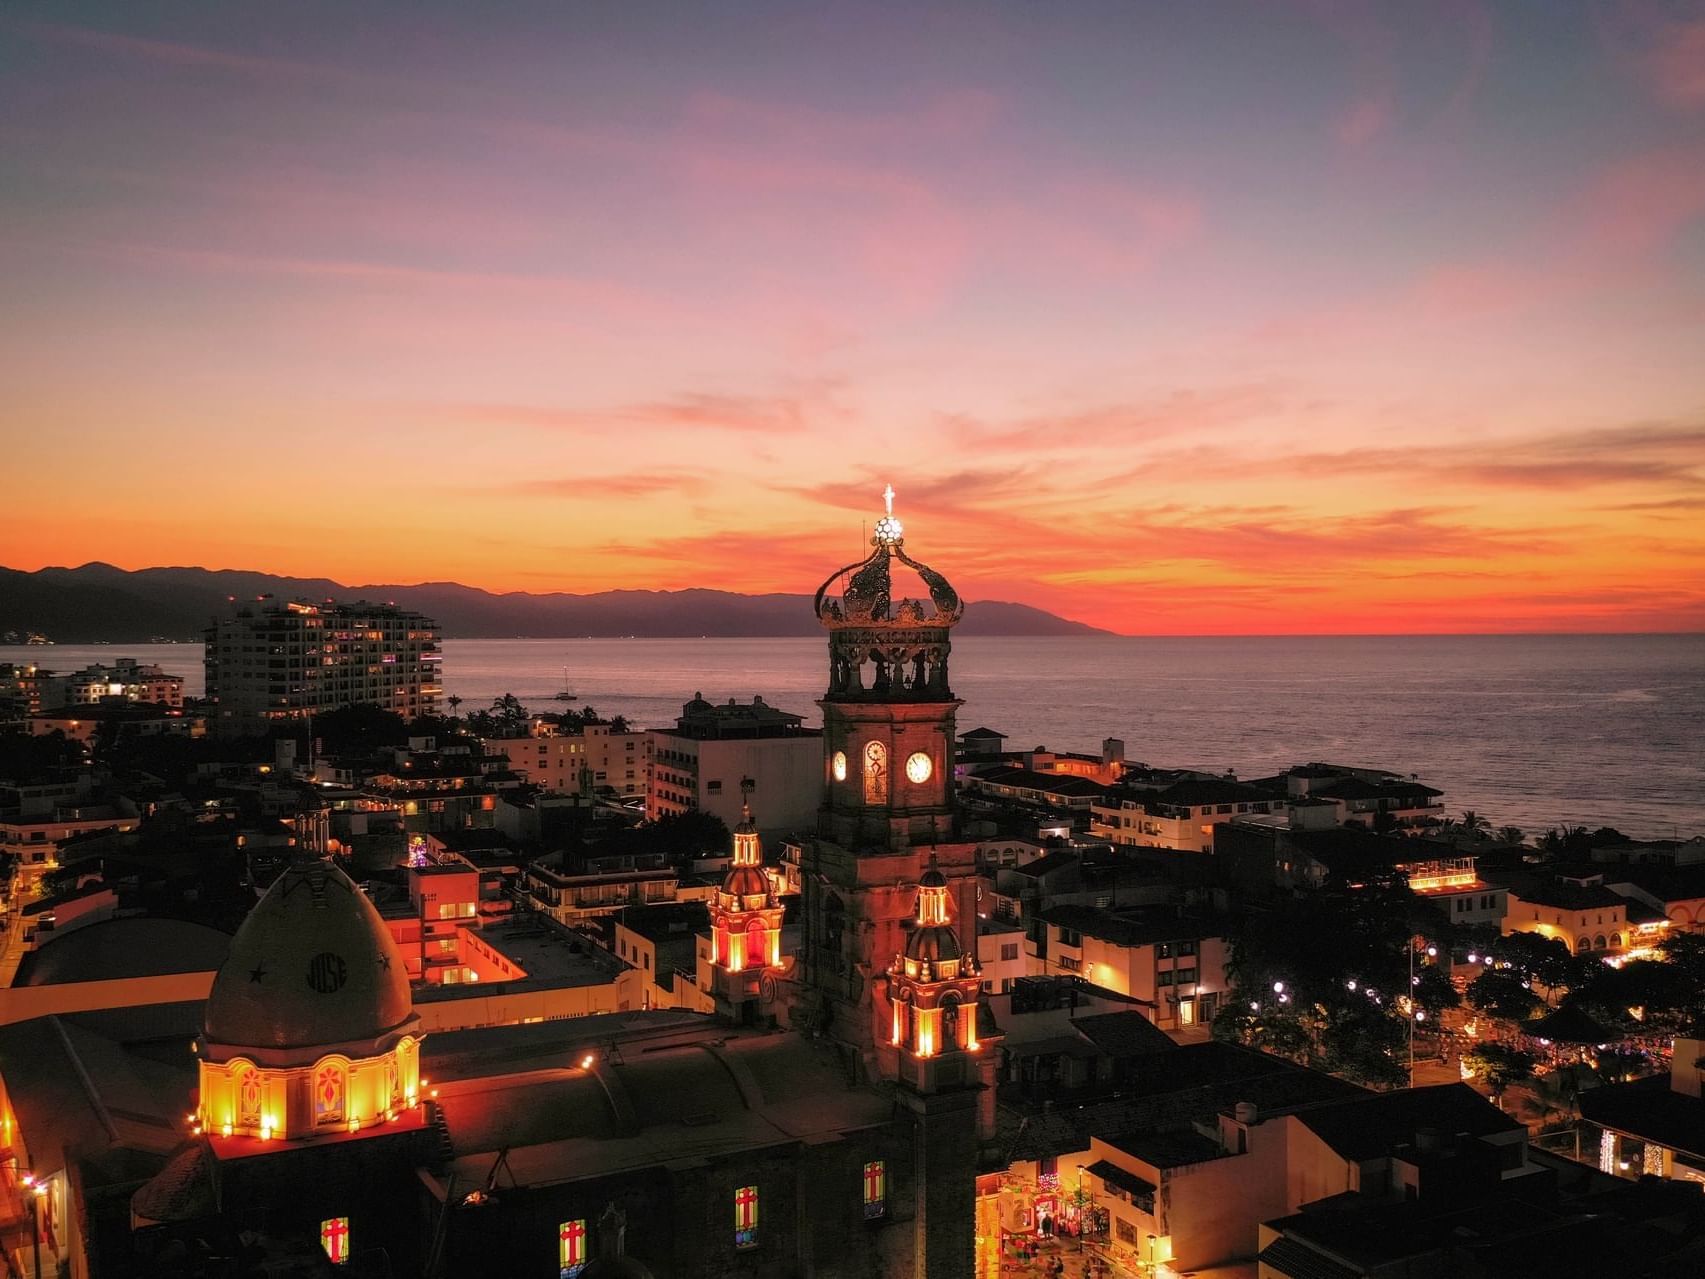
(276, 659)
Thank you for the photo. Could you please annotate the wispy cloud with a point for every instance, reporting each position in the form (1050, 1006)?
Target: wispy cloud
(811, 403)
(632, 484)
(1182, 412)
(179, 54)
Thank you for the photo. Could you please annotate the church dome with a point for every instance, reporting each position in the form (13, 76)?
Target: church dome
(870, 594)
(312, 967)
(934, 942)
(746, 881)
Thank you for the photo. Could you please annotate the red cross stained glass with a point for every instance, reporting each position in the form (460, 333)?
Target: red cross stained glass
(746, 1217)
(571, 1254)
(875, 1188)
(334, 1238)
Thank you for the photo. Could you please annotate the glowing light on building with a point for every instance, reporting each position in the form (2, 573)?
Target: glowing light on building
(334, 1238)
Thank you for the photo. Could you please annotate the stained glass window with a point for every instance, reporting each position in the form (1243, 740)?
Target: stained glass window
(571, 1248)
(746, 1217)
(334, 1238)
(328, 1092)
(875, 1189)
(248, 1098)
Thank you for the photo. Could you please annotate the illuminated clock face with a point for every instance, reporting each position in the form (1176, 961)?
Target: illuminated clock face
(840, 766)
(918, 767)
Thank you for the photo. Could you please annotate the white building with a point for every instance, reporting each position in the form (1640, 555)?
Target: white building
(700, 763)
(1181, 816)
(586, 761)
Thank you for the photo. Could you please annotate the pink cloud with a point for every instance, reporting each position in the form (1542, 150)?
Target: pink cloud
(1661, 48)
(808, 403)
(1678, 65)
(1111, 425)
(630, 485)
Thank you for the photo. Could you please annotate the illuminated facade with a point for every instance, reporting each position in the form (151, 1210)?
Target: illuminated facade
(310, 1028)
(932, 990)
(745, 923)
(887, 963)
(887, 806)
(272, 659)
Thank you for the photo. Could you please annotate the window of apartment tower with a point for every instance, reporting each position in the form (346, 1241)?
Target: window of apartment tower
(875, 1189)
(875, 773)
(746, 1217)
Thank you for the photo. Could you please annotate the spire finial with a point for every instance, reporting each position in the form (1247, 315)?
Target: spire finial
(887, 527)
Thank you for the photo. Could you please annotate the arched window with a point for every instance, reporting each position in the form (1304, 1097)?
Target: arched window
(331, 1082)
(1616, 941)
(1598, 942)
(1584, 945)
(746, 1217)
(875, 1188)
(248, 1096)
(875, 773)
(950, 1012)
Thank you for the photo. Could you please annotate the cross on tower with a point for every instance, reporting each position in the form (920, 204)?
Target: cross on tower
(888, 497)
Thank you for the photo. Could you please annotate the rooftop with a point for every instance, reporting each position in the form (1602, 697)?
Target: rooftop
(1371, 1126)
(1175, 1149)
(1061, 784)
(1567, 896)
(121, 948)
(1126, 1034)
(688, 1089)
(1137, 927)
(1651, 1110)
(551, 962)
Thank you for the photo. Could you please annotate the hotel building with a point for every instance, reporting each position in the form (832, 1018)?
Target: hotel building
(275, 659)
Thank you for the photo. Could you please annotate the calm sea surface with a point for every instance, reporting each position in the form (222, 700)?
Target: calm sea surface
(1530, 730)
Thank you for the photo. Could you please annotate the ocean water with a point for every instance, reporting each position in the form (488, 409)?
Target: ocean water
(1532, 731)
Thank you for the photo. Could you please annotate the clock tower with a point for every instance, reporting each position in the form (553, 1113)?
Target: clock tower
(888, 713)
(888, 807)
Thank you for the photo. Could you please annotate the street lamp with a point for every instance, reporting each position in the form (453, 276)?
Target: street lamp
(1159, 1249)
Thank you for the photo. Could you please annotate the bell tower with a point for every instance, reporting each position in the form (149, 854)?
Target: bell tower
(888, 808)
(888, 712)
(745, 922)
(887, 959)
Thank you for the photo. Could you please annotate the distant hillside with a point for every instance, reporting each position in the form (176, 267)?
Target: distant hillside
(100, 602)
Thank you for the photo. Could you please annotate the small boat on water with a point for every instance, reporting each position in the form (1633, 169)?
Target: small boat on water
(567, 694)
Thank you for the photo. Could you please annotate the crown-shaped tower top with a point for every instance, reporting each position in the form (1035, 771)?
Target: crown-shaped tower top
(863, 594)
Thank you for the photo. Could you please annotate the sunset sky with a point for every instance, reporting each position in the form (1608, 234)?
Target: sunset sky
(1286, 316)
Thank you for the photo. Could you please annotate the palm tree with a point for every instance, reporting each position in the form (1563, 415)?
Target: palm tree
(455, 703)
(1474, 825)
(1511, 835)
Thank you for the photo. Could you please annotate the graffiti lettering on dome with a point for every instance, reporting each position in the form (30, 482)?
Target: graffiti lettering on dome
(327, 972)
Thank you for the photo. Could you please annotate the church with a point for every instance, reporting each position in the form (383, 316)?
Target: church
(825, 1121)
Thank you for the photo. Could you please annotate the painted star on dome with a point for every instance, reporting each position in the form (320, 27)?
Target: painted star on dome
(257, 972)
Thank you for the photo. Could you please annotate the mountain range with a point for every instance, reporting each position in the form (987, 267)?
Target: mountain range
(98, 602)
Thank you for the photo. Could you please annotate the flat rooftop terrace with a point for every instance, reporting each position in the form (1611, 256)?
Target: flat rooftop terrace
(549, 959)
